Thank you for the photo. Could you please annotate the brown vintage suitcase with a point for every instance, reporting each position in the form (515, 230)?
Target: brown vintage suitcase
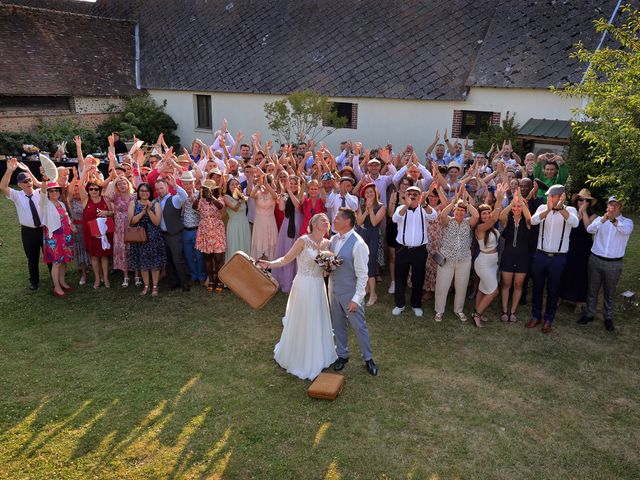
(252, 284)
(326, 386)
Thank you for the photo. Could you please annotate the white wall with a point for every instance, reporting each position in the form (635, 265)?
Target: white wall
(400, 122)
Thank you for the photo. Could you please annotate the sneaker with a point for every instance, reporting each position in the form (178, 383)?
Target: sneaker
(461, 316)
(392, 288)
(138, 281)
(438, 317)
(397, 310)
(418, 312)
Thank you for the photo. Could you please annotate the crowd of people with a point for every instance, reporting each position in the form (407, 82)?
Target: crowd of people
(487, 224)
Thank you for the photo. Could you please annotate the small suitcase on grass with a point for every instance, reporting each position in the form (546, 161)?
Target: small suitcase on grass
(248, 281)
(326, 386)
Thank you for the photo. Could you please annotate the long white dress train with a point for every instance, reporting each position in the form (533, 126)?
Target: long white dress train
(306, 344)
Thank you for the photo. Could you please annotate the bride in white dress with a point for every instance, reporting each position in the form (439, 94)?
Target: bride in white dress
(306, 344)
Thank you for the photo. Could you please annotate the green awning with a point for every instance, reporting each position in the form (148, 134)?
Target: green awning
(543, 128)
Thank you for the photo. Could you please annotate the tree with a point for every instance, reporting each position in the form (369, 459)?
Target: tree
(496, 135)
(610, 119)
(302, 116)
(141, 117)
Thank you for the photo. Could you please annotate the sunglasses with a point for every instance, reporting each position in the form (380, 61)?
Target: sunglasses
(583, 199)
(28, 180)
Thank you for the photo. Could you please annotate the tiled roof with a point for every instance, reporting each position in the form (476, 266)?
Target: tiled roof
(529, 45)
(46, 52)
(407, 49)
(544, 128)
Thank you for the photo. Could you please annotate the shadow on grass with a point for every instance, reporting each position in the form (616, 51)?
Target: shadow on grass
(86, 436)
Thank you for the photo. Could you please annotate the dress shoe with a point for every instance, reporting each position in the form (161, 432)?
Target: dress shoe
(585, 319)
(546, 328)
(533, 323)
(340, 363)
(372, 368)
(33, 286)
(608, 324)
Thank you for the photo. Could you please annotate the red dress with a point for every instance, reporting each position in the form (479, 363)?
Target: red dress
(309, 209)
(211, 236)
(92, 244)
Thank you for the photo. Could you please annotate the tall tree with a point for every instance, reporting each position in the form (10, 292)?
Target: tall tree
(610, 117)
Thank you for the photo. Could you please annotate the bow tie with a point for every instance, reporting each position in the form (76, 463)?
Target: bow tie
(341, 237)
(412, 209)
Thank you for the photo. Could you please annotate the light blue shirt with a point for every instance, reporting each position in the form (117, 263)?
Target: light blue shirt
(178, 200)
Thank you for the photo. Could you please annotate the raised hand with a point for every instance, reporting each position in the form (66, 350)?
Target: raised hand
(437, 135)
(78, 141)
(112, 140)
(560, 203)
(12, 164)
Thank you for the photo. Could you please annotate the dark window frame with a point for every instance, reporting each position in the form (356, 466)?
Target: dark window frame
(481, 121)
(345, 109)
(35, 103)
(204, 112)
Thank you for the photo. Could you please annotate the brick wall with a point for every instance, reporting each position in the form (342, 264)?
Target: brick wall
(354, 115)
(495, 118)
(456, 128)
(20, 123)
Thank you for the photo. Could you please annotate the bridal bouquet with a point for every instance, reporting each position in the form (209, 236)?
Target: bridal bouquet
(328, 261)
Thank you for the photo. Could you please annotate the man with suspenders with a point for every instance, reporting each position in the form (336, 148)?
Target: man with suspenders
(556, 221)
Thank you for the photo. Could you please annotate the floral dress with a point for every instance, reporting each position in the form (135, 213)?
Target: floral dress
(58, 248)
(121, 220)
(434, 233)
(211, 237)
(80, 255)
(150, 255)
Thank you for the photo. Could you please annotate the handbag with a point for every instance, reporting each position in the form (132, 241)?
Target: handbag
(135, 234)
(438, 258)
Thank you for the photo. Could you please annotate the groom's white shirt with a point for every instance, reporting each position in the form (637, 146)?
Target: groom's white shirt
(360, 262)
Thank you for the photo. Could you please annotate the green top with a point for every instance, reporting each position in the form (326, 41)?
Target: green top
(560, 178)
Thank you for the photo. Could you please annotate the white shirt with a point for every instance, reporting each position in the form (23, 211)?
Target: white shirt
(610, 241)
(19, 198)
(412, 230)
(360, 263)
(550, 236)
(382, 182)
(334, 203)
(423, 184)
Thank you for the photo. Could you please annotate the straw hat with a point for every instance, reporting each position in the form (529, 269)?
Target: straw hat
(210, 184)
(584, 193)
(453, 164)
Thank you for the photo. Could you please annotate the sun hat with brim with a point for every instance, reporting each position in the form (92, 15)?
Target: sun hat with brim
(556, 190)
(374, 160)
(51, 185)
(584, 193)
(183, 159)
(364, 189)
(347, 179)
(145, 169)
(453, 164)
(413, 189)
(215, 171)
(187, 176)
(210, 184)
(327, 176)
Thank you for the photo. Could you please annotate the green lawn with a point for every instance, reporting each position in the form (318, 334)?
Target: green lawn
(110, 385)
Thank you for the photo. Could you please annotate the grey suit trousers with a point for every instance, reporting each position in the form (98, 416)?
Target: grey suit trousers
(340, 320)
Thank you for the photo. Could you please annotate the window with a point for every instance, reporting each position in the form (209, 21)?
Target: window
(203, 110)
(34, 103)
(346, 110)
(474, 122)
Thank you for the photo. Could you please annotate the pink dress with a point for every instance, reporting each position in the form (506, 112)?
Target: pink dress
(121, 220)
(59, 248)
(265, 231)
(211, 236)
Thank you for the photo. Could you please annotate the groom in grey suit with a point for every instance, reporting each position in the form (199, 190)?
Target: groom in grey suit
(347, 289)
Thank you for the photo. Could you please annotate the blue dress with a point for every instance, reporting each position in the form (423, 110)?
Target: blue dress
(150, 255)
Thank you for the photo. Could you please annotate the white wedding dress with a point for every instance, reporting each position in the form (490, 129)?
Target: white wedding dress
(306, 344)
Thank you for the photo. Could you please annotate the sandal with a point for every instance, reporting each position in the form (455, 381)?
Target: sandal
(144, 291)
(504, 317)
(477, 319)
(138, 281)
(438, 317)
(372, 301)
(513, 318)
(209, 288)
(154, 291)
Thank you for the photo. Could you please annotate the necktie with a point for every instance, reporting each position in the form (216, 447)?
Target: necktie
(34, 212)
(344, 202)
